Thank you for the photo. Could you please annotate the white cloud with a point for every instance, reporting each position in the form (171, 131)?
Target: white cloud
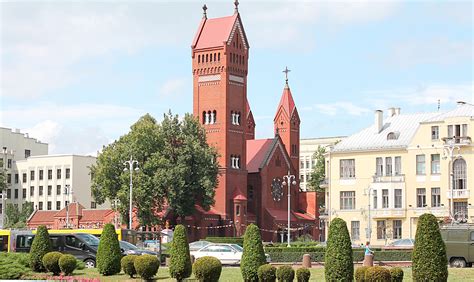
(337, 108)
(174, 87)
(46, 131)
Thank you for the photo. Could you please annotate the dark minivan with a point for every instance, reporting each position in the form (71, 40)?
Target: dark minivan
(81, 245)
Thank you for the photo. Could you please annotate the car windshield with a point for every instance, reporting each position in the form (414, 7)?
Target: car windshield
(238, 247)
(90, 240)
(127, 246)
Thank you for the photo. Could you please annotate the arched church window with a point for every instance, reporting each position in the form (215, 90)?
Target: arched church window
(207, 58)
(238, 118)
(459, 174)
(214, 57)
(204, 117)
(199, 59)
(237, 210)
(210, 57)
(215, 116)
(219, 57)
(250, 193)
(232, 161)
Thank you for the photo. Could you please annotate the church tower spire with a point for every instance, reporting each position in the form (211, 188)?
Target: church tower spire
(287, 123)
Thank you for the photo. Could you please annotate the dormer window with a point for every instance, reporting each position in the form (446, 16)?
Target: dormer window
(393, 136)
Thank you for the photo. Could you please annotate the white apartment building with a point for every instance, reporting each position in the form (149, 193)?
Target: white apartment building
(307, 161)
(49, 181)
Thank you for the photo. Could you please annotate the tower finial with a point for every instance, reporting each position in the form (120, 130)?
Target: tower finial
(286, 71)
(236, 4)
(204, 9)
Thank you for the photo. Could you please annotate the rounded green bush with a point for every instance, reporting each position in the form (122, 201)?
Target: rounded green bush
(67, 264)
(397, 274)
(51, 262)
(40, 246)
(266, 273)
(285, 273)
(359, 274)
(207, 269)
(108, 253)
(430, 262)
(303, 274)
(128, 266)
(338, 259)
(253, 256)
(146, 266)
(180, 259)
(377, 274)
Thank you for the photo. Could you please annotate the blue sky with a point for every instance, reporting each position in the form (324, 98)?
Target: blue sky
(78, 74)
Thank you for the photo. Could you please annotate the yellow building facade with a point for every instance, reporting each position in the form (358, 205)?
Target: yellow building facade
(381, 179)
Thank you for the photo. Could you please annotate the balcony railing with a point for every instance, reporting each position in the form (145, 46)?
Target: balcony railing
(388, 178)
(458, 140)
(388, 213)
(457, 194)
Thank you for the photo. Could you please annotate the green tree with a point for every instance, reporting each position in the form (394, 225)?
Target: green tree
(40, 246)
(180, 259)
(318, 173)
(3, 178)
(338, 259)
(176, 165)
(430, 262)
(16, 218)
(253, 256)
(108, 253)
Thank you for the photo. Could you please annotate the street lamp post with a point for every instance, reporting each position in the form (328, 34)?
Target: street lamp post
(4, 203)
(368, 234)
(290, 179)
(67, 192)
(130, 164)
(448, 151)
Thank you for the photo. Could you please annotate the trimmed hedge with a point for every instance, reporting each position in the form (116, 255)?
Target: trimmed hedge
(127, 263)
(67, 264)
(207, 269)
(13, 265)
(51, 262)
(180, 259)
(146, 266)
(430, 262)
(297, 256)
(377, 274)
(266, 273)
(253, 256)
(359, 274)
(108, 253)
(397, 274)
(40, 246)
(285, 273)
(338, 259)
(226, 240)
(303, 274)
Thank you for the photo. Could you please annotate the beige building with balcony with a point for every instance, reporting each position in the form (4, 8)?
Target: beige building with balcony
(381, 179)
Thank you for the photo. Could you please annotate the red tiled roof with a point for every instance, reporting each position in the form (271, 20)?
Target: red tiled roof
(42, 217)
(256, 151)
(94, 215)
(304, 216)
(281, 215)
(75, 209)
(238, 195)
(286, 102)
(214, 32)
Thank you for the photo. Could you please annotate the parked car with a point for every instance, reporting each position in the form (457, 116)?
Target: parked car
(238, 247)
(81, 245)
(194, 246)
(226, 253)
(130, 249)
(459, 241)
(402, 243)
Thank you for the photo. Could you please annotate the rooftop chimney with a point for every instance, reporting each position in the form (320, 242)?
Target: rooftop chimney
(379, 120)
(391, 112)
(397, 111)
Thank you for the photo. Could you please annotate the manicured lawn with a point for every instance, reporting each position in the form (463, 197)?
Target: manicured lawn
(233, 274)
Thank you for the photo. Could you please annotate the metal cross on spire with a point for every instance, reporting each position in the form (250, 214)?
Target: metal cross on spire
(236, 4)
(286, 71)
(204, 9)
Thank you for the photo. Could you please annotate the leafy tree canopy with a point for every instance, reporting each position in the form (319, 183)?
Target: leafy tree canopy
(176, 167)
(16, 218)
(318, 173)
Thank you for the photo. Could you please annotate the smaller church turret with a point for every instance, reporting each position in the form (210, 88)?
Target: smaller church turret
(287, 123)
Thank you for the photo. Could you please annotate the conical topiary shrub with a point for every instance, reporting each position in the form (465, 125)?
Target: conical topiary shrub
(40, 246)
(180, 259)
(338, 262)
(429, 254)
(253, 256)
(108, 253)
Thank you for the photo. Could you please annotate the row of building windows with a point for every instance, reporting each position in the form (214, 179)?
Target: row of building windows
(212, 57)
(41, 175)
(209, 117)
(307, 163)
(435, 164)
(49, 205)
(459, 130)
(393, 166)
(32, 191)
(237, 59)
(381, 230)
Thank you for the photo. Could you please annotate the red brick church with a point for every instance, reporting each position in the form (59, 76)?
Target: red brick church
(250, 186)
